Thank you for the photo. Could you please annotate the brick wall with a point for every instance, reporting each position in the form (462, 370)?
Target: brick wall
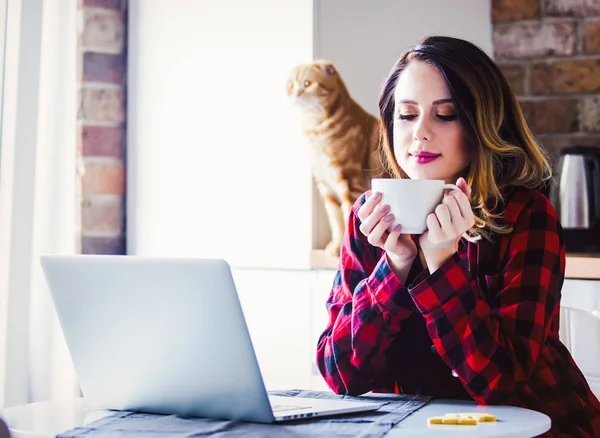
(550, 52)
(101, 125)
(548, 49)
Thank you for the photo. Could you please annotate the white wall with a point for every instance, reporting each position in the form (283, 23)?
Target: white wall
(215, 165)
(365, 38)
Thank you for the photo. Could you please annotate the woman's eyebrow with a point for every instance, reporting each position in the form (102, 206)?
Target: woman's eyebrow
(435, 102)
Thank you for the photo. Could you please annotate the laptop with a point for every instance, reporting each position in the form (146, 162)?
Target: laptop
(168, 336)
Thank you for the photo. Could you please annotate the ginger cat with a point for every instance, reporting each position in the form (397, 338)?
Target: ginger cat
(343, 139)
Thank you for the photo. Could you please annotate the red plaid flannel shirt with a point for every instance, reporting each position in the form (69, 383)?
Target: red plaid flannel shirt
(483, 326)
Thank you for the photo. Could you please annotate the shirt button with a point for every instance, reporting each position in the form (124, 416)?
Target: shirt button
(454, 374)
(433, 349)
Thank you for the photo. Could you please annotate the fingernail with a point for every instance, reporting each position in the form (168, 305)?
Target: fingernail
(376, 195)
(384, 209)
(389, 218)
(397, 227)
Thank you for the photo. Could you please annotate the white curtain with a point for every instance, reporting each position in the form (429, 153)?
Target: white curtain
(37, 194)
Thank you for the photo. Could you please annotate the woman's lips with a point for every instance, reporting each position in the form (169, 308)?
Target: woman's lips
(424, 157)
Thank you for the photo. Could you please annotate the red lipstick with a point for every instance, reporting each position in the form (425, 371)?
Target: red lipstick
(424, 157)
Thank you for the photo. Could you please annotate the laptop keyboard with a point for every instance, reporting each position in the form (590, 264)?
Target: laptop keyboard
(281, 408)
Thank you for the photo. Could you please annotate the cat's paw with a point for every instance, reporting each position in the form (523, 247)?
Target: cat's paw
(333, 249)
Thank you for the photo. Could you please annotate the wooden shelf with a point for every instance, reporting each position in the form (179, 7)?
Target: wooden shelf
(586, 266)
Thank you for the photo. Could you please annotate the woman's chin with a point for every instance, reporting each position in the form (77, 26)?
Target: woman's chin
(422, 172)
(426, 175)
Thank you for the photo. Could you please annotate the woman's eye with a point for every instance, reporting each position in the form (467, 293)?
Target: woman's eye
(448, 118)
(406, 116)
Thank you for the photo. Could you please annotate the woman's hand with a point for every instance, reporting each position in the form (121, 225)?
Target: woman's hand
(451, 219)
(375, 221)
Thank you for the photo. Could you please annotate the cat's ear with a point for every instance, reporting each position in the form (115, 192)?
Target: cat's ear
(329, 69)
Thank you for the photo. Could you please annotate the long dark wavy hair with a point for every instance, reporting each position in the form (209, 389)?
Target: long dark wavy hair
(503, 150)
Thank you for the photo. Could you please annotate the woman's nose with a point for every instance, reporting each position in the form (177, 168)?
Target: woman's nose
(422, 131)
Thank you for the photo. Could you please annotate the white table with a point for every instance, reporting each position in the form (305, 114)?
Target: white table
(511, 422)
(47, 419)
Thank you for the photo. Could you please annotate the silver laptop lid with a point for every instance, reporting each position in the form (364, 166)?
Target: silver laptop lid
(158, 335)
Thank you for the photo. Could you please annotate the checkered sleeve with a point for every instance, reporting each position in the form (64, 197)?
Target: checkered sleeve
(366, 306)
(493, 345)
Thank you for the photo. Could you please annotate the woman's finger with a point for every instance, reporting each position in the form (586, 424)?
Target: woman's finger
(462, 184)
(371, 221)
(392, 238)
(378, 235)
(452, 204)
(463, 203)
(443, 216)
(367, 208)
(400, 245)
(396, 243)
(433, 225)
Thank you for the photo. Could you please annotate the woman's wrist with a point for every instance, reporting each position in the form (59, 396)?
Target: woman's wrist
(436, 257)
(400, 266)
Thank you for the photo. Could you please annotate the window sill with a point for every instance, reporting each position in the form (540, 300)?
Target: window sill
(319, 259)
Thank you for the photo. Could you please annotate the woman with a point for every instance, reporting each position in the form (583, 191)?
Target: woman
(470, 308)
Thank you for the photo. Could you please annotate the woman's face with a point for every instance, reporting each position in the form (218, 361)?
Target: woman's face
(429, 141)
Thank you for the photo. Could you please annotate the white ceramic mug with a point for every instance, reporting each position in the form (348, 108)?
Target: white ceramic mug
(411, 200)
